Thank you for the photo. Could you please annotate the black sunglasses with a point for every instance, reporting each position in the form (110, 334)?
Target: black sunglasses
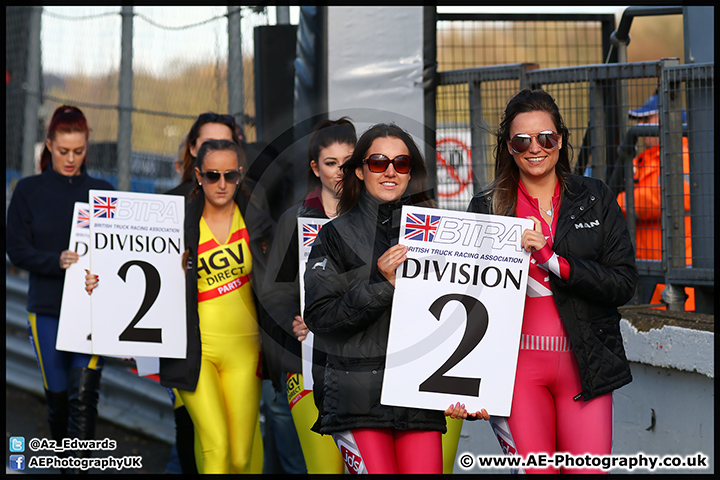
(378, 163)
(522, 141)
(213, 176)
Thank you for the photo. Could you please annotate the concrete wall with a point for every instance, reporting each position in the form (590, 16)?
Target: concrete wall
(673, 380)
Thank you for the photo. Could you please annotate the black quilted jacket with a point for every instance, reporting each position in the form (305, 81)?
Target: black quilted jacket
(348, 305)
(592, 236)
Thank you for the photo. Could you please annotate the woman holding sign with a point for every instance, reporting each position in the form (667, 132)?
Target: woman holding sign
(227, 236)
(349, 285)
(571, 354)
(39, 220)
(331, 144)
(207, 126)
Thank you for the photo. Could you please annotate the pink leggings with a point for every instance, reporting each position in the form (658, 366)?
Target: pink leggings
(385, 450)
(544, 416)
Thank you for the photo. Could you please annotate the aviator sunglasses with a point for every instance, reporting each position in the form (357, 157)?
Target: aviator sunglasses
(522, 141)
(213, 176)
(378, 163)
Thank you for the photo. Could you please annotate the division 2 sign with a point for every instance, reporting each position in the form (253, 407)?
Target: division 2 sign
(457, 311)
(308, 229)
(136, 246)
(74, 327)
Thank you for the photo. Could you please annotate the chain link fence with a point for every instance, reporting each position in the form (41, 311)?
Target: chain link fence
(527, 41)
(667, 190)
(179, 66)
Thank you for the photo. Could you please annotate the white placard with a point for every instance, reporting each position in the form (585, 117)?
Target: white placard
(74, 327)
(147, 366)
(457, 311)
(308, 229)
(136, 246)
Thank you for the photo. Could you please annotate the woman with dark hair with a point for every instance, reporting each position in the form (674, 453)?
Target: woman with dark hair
(331, 145)
(349, 286)
(39, 220)
(207, 126)
(571, 354)
(227, 237)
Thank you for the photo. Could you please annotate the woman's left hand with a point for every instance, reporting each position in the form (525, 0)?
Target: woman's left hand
(458, 411)
(390, 260)
(533, 240)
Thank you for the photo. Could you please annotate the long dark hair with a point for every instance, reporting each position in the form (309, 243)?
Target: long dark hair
(193, 134)
(65, 119)
(507, 173)
(352, 186)
(326, 133)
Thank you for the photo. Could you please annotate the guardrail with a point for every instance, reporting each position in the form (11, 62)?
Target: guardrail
(132, 402)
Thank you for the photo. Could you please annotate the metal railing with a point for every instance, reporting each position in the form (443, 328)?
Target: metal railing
(594, 101)
(132, 402)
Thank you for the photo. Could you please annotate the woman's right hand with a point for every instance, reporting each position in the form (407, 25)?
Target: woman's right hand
(67, 258)
(299, 328)
(91, 281)
(458, 411)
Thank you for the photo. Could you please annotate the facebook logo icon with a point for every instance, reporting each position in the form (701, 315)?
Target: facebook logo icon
(17, 462)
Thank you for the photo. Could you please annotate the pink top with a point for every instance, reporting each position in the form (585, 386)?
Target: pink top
(541, 317)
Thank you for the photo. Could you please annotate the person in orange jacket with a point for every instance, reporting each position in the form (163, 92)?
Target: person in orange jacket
(647, 194)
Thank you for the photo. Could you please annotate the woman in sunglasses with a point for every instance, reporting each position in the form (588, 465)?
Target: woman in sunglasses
(571, 354)
(331, 144)
(207, 126)
(349, 286)
(227, 236)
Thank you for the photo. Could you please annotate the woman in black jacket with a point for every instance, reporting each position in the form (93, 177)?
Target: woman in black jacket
(571, 354)
(349, 286)
(331, 144)
(227, 236)
(39, 221)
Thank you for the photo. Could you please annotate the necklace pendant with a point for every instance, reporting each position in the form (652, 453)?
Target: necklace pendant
(548, 212)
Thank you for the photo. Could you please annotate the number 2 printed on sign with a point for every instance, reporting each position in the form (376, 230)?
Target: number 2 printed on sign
(475, 327)
(152, 289)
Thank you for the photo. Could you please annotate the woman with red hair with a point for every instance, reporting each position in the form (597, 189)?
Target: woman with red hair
(39, 220)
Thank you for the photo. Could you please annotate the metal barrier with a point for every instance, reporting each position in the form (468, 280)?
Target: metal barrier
(594, 101)
(132, 402)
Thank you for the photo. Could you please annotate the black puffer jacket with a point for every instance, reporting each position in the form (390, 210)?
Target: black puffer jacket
(347, 305)
(183, 373)
(593, 237)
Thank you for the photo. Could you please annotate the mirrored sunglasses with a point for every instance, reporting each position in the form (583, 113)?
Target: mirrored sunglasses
(378, 163)
(521, 142)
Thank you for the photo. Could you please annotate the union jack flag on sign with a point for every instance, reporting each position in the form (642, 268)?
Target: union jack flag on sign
(83, 218)
(104, 207)
(421, 227)
(310, 233)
